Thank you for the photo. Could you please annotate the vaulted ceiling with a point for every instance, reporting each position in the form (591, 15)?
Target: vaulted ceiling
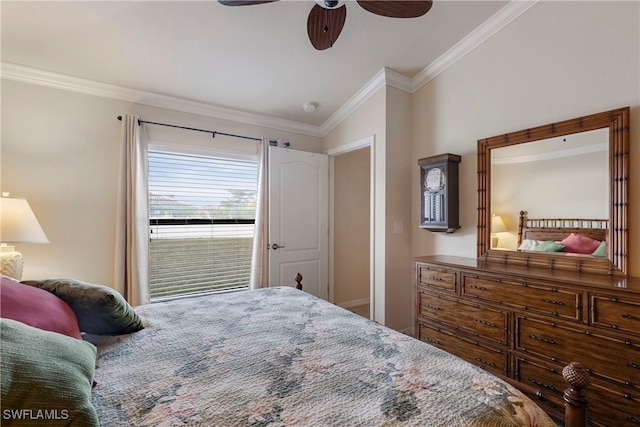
(251, 59)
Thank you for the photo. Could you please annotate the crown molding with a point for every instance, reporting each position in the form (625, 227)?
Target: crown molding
(491, 26)
(50, 79)
(552, 154)
(385, 77)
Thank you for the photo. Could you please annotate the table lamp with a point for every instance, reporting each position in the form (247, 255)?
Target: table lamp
(497, 226)
(18, 224)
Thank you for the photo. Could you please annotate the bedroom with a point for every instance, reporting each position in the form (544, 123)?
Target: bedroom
(549, 64)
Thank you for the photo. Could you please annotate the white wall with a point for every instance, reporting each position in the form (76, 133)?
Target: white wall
(60, 150)
(559, 60)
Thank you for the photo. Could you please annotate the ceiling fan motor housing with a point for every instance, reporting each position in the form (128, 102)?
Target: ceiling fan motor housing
(330, 4)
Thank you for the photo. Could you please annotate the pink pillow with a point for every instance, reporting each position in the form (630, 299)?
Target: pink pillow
(579, 244)
(37, 307)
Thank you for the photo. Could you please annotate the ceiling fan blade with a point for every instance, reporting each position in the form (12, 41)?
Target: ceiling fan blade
(397, 8)
(324, 25)
(243, 2)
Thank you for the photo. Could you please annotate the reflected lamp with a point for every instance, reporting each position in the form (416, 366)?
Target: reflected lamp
(497, 226)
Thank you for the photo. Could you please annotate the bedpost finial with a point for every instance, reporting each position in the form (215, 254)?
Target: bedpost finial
(576, 375)
(298, 279)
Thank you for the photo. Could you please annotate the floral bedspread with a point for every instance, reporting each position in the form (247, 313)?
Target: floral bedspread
(280, 357)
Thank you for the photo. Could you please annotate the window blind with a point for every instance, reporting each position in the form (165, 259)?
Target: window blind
(201, 218)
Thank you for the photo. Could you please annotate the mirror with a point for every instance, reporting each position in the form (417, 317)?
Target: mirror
(606, 175)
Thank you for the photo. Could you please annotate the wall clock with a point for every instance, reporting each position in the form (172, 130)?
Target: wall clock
(439, 193)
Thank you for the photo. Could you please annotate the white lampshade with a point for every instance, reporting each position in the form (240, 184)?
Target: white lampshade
(18, 222)
(497, 224)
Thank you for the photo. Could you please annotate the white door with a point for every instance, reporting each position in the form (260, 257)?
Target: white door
(299, 219)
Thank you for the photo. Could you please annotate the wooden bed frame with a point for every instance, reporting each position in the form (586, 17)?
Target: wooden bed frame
(575, 400)
(576, 376)
(558, 228)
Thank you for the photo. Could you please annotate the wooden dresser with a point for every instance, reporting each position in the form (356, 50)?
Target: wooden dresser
(526, 324)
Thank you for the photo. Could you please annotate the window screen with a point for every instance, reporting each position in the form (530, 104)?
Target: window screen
(201, 217)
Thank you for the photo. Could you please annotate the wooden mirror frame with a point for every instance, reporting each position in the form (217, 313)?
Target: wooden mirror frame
(617, 121)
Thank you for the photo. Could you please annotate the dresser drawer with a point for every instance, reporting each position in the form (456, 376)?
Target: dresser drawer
(607, 357)
(494, 361)
(548, 380)
(608, 405)
(480, 321)
(616, 312)
(439, 278)
(533, 296)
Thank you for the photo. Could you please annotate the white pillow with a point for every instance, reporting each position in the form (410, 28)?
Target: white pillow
(528, 244)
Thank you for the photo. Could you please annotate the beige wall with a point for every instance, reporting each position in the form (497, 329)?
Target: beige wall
(387, 116)
(60, 150)
(567, 187)
(557, 61)
(548, 65)
(399, 286)
(369, 121)
(351, 227)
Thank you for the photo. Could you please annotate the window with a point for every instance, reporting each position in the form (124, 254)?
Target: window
(201, 217)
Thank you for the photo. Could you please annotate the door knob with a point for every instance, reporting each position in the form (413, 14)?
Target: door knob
(276, 246)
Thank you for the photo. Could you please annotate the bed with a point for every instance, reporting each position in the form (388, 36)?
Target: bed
(268, 357)
(575, 236)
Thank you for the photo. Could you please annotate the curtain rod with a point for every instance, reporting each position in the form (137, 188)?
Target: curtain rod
(212, 132)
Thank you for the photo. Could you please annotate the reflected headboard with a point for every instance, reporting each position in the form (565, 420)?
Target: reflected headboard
(557, 229)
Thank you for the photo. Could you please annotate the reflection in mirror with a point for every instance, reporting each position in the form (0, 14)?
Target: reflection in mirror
(552, 184)
(561, 177)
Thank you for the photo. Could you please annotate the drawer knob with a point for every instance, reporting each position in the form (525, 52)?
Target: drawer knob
(482, 322)
(437, 279)
(481, 360)
(538, 383)
(550, 301)
(631, 317)
(480, 288)
(545, 340)
(431, 340)
(432, 307)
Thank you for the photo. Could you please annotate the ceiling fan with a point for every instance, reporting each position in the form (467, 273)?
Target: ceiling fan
(327, 17)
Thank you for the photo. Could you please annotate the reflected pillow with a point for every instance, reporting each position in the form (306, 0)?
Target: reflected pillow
(46, 373)
(580, 244)
(36, 307)
(601, 250)
(549, 246)
(529, 244)
(100, 309)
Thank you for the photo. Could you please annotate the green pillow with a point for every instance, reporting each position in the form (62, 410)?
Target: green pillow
(549, 246)
(100, 310)
(601, 250)
(46, 377)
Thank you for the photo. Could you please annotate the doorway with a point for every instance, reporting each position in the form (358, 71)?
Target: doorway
(351, 248)
(354, 280)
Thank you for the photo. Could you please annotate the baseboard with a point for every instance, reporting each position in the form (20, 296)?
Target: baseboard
(354, 303)
(408, 331)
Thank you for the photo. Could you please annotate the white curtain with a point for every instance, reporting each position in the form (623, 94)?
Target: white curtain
(260, 258)
(132, 216)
